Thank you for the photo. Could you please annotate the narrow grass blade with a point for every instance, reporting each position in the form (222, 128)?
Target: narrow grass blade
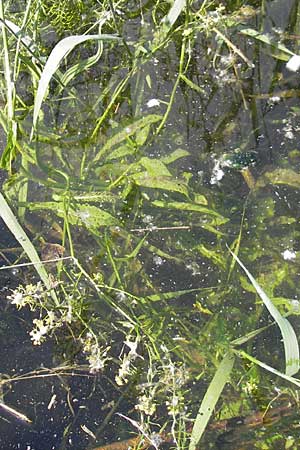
(265, 366)
(174, 12)
(289, 337)
(15, 228)
(210, 399)
(60, 51)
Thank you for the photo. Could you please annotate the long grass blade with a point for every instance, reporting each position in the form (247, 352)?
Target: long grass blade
(265, 366)
(174, 12)
(15, 228)
(210, 399)
(60, 51)
(289, 337)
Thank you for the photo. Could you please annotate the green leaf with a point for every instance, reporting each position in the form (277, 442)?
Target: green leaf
(92, 217)
(174, 156)
(210, 399)
(60, 51)
(174, 12)
(165, 183)
(155, 167)
(125, 133)
(192, 85)
(15, 228)
(283, 51)
(287, 177)
(265, 366)
(172, 295)
(289, 337)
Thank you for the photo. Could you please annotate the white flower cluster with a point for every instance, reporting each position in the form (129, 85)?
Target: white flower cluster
(97, 355)
(125, 368)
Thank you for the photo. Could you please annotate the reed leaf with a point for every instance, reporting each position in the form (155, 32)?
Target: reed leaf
(210, 399)
(60, 51)
(289, 337)
(15, 228)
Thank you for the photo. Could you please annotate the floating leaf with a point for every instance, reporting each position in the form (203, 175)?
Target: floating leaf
(289, 337)
(92, 217)
(210, 399)
(120, 152)
(60, 51)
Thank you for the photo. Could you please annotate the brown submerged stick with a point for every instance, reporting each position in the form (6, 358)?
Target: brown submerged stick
(260, 418)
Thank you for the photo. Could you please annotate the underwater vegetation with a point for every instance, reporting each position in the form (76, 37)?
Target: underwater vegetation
(150, 222)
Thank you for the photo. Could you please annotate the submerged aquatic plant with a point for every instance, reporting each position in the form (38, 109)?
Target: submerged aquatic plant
(150, 301)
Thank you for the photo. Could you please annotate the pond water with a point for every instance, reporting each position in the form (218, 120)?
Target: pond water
(152, 162)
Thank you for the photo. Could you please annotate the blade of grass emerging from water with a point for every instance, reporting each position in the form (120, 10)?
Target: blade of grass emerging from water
(210, 399)
(15, 228)
(60, 51)
(289, 337)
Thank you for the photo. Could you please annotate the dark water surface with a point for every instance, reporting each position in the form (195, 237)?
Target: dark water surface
(256, 110)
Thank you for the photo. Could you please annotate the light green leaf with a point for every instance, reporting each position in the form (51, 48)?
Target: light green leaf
(174, 156)
(265, 366)
(15, 228)
(200, 199)
(267, 40)
(192, 85)
(210, 399)
(289, 337)
(125, 133)
(155, 167)
(91, 217)
(174, 12)
(287, 177)
(165, 183)
(120, 152)
(60, 51)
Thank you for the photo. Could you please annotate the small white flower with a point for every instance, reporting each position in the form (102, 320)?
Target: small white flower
(293, 63)
(38, 333)
(288, 255)
(18, 299)
(153, 102)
